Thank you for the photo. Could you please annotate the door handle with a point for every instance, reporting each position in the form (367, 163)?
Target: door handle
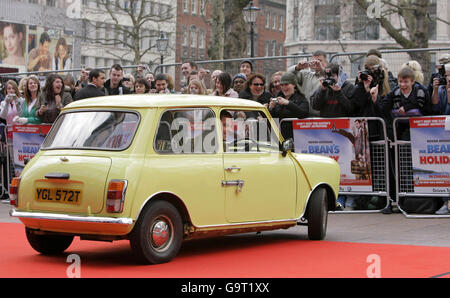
(238, 183)
(233, 169)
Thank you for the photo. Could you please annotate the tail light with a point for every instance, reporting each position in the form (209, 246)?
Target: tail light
(116, 196)
(14, 191)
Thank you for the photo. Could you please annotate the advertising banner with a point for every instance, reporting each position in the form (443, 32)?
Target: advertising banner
(344, 140)
(33, 48)
(430, 150)
(27, 140)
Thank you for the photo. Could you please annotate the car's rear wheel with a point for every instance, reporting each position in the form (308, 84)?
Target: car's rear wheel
(158, 233)
(48, 244)
(317, 215)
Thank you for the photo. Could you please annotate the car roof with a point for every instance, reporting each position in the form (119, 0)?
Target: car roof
(161, 100)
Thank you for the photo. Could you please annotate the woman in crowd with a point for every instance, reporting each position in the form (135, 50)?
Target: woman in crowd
(128, 81)
(141, 86)
(13, 41)
(61, 59)
(196, 87)
(223, 86)
(291, 103)
(11, 106)
(255, 89)
(32, 90)
(52, 99)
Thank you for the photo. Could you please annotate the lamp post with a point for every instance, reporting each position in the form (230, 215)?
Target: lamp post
(161, 44)
(250, 15)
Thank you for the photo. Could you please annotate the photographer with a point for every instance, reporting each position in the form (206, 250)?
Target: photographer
(308, 74)
(371, 87)
(440, 98)
(333, 97)
(290, 103)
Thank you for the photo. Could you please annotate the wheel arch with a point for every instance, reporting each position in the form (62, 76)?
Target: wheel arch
(331, 197)
(168, 197)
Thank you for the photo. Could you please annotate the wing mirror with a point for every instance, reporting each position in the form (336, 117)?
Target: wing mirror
(287, 145)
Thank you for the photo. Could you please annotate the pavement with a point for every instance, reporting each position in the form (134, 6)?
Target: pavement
(378, 228)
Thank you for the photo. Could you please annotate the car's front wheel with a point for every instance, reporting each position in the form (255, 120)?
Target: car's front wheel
(317, 215)
(48, 244)
(158, 234)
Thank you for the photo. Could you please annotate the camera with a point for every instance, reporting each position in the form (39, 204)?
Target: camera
(274, 99)
(329, 80)
(376, 73)
(442, 79)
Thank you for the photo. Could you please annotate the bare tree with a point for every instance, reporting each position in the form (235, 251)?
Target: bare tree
(407, 22)
(128, 29)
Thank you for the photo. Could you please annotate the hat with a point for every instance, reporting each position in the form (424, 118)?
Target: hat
(247, 61)
(240, 75)
(289, 78)
(445, 58)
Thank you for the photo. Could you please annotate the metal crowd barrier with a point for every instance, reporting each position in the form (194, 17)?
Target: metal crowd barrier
(404, 169)
(379, 157)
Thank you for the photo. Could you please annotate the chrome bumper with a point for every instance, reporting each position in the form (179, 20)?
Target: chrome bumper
(70, 218)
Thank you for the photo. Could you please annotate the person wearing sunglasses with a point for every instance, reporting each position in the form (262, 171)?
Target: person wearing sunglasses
(254, 89)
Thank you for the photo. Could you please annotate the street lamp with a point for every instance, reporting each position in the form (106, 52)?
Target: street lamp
(161, 44)
(250, 15)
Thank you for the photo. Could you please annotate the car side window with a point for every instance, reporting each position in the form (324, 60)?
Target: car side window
(247, 131)
(186, 131)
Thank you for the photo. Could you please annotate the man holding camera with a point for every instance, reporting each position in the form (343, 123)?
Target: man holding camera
(308, 76)
(333, 97)
(440, 98)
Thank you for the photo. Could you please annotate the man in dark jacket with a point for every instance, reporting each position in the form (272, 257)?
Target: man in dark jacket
(333, 98)
(94, 88)
(114, 86)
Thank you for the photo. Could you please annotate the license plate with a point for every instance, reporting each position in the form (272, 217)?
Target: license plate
(58, 195)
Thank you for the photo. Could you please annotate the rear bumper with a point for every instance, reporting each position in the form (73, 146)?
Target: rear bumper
(74, 224)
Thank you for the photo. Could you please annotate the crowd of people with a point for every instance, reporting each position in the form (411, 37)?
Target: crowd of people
(314, 88)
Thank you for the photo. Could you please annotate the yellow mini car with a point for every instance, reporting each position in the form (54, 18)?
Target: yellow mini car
(160, 169)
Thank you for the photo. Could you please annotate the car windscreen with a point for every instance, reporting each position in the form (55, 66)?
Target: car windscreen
(105, 130)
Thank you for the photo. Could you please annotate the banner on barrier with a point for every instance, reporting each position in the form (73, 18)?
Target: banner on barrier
(27, 140)
(430, 150)
(345, 140)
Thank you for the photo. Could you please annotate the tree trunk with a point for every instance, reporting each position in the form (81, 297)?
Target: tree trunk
(216, 47)
(235, 27)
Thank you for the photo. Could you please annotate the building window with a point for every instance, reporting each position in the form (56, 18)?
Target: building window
(267, 20)
(51, 3)
(281, 24)
(194, 7)
(326, 20)
(193, 40)
(201, 39)
(185, 6)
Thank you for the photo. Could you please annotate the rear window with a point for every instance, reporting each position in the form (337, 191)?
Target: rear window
(93, 130)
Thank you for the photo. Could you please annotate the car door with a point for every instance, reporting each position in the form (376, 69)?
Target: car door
(260, 183)
(188, 163)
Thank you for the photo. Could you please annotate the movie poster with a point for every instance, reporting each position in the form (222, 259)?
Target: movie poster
(430, 150)
(32, 48)
(27, 140)
(13, 46)
(344, 140)
(49, 49)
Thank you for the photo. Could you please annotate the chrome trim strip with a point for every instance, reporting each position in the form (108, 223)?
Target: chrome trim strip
(65, 217)
(244, 223)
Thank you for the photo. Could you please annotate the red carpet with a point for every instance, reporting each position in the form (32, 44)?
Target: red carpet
(243, 256)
